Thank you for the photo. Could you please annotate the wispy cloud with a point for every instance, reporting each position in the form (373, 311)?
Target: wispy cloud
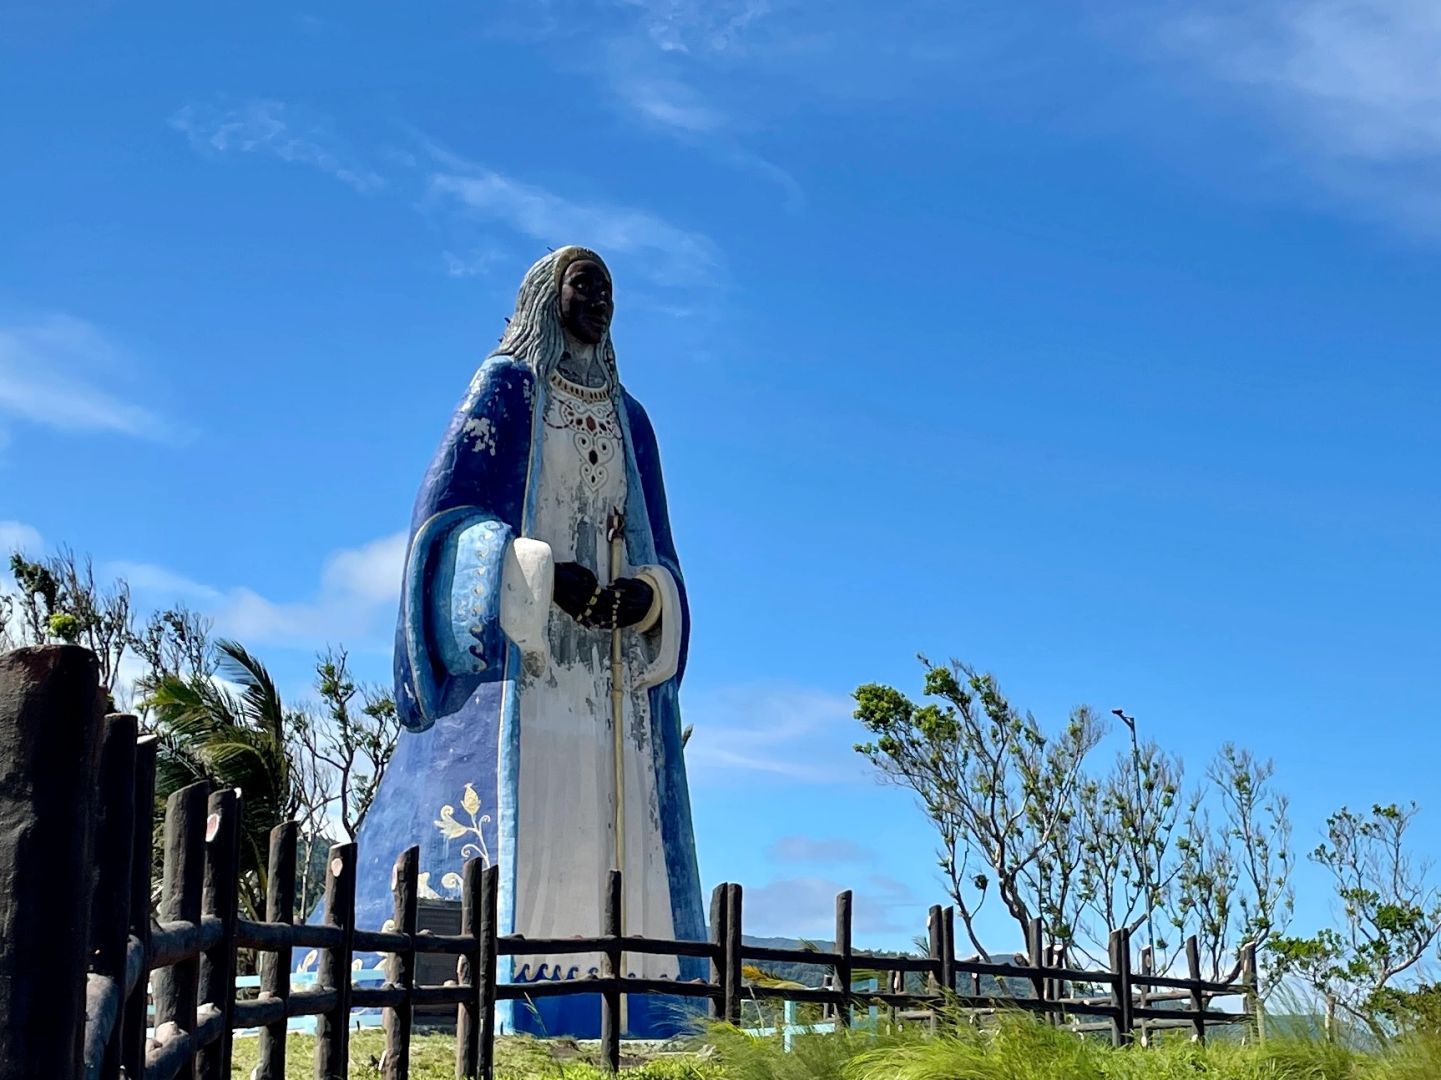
(474, 263)
(1353, 82)
(805, 907)
(814, 849)
(686, 26)
(50, 372)
(277, 130)
(802, 735)
(663, 251)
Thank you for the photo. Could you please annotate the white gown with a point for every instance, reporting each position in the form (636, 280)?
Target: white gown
(565, 837)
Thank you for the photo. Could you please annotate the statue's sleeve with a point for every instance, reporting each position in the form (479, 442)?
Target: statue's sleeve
(472, 584)
(671, 619)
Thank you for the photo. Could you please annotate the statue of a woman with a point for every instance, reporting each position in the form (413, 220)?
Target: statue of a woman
(542, 606)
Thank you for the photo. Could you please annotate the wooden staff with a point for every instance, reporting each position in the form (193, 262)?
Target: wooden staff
(615, 533)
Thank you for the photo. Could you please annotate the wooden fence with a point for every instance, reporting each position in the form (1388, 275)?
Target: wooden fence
(79, 943)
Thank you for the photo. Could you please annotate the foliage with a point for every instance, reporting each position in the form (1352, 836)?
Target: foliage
(999, 791)
(57, 599)
(234, 739)
(1235, 881)
(216, 712)
(1022, 814)
(1390, 921)
(353, 743)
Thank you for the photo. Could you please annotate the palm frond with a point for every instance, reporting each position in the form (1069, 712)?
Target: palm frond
(262, 701)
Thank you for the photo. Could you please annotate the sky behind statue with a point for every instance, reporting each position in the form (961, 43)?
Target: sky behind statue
(1095, 345)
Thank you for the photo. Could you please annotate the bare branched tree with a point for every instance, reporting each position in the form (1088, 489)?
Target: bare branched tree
(352, 739)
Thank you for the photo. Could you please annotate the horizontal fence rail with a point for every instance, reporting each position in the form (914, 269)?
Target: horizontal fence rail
(152, 994)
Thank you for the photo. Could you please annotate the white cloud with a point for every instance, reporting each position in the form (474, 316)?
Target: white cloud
(663, 251)
(1354, 82)
(275, 129)
(48, 372)
(17, 536)
(352, 604)
(158, 581)
(802, 735)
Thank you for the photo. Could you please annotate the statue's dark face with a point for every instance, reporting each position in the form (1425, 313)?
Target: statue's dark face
(585, 301)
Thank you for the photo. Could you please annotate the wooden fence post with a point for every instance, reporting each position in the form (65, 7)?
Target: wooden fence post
(50, 731)
(611, 969)
(398, 1020)
(110, 908)
(846, 967)
(219, 899)
(142, 856)
(1036, 958)
(467, 966)
(1198, 999)
(275, 967)
(1143, 991)
(181, 890)
(489, 973)
(734, 984)
(332, 1029)
(934, 936)
(948, 950)
(1251, 979)
(718, 969)
(1121, 1015)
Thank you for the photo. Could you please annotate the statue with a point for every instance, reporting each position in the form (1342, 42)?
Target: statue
(539, 652)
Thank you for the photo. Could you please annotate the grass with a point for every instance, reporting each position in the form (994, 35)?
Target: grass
(432, 1057)
(1018, 1049)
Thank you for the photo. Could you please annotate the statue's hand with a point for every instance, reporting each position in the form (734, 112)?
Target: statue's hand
(575, 587)
(624, 603)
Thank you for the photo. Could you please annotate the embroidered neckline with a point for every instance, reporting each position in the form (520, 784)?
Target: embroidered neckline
(585, 393)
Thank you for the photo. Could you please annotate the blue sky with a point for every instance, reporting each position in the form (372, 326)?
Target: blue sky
(1093, 344)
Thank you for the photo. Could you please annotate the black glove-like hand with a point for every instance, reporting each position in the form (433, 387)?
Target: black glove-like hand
(574, 586)
(624, 603)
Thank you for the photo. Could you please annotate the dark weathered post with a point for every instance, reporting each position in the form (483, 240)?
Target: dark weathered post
(611, 969)
(332, 1029)
(734, 986)
(219, 899)
(1036, 958)
(135, 1019)
(489, 973)
(718, 941)
(934, 936)
(1059, 988)
(181, 889)
(1121, 1016)
(398, 1019)
(1143, 992)
(948, 950)
(845, 969)
(50, 729)
(275, 967)
(110, 910)
(467, 966)
(1251, 980)
(1198, 999)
